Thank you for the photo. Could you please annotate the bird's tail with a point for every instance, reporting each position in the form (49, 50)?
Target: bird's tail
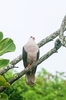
(30, 79)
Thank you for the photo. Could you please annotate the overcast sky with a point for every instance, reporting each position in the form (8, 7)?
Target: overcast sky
(19, 19)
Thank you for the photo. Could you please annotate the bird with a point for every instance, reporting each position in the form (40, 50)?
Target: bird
(30, 55)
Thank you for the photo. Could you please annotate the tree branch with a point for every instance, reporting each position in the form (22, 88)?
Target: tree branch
(58, 44)
(19, 58)
(44, 57)
(61, 35)
(40, 44)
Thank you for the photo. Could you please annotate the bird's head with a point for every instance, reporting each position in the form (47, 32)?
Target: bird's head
(32, 37)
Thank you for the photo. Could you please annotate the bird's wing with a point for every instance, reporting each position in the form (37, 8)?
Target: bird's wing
(24, 57)
(38, 55)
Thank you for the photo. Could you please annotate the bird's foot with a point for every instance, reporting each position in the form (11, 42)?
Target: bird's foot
(28, 66)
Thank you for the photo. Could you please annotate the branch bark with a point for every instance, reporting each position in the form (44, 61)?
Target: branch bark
(61, 35)
(44, 57)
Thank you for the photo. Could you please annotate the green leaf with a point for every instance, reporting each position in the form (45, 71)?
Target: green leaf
(1, 36)
(4, 62)
(7, 45)
(3, 82)
(3, 96)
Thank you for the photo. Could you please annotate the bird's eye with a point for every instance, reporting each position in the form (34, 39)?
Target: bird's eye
(31, 37)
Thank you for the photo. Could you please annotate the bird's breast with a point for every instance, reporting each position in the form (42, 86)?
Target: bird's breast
(31, 50)
(31, 57)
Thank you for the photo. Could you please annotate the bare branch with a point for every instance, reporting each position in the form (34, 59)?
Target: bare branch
(49, 38)
(16, 60)
(44, 57)
(5, 69)
(40, 44)
(61, 35)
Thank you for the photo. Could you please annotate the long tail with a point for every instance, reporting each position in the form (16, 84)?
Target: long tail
(30, 79)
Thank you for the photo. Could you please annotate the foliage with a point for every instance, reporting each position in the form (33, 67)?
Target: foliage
(3, 96)
(6, 45)
(3, 62)
(3, 82)
(47, 87)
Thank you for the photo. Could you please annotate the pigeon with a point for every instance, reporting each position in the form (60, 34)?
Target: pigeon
(30, 54)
